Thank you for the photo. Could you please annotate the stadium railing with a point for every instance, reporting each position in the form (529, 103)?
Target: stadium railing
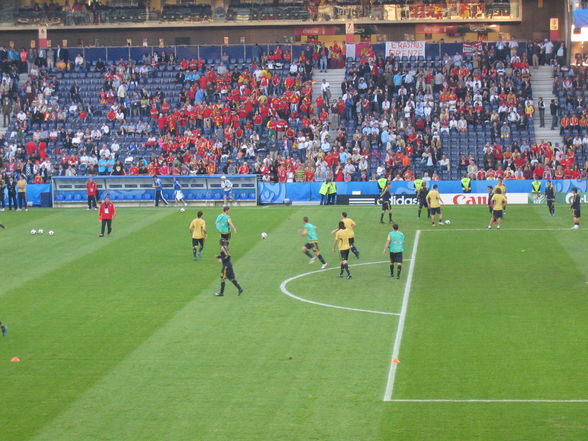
(213, 54)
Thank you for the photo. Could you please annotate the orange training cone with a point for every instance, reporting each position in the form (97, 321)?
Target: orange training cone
(15, 359)
(395, 360)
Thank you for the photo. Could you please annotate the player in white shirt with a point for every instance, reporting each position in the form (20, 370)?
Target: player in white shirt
(227, 187)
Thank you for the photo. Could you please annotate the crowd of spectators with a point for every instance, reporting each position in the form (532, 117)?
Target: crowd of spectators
(395, 118)
(415, 109)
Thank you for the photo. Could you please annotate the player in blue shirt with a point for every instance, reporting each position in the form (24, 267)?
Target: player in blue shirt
(158, 191)
(224, 224)
(395, 246)
(178, 193)
(309, 231)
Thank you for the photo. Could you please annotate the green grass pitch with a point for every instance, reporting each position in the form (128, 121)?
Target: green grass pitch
(122, 339)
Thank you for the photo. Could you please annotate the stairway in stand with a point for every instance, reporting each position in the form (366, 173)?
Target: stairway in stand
(542, 84)
(334, 77)
(22, 79)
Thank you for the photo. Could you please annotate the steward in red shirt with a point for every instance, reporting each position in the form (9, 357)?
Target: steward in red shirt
(92, 190)
(106, 214)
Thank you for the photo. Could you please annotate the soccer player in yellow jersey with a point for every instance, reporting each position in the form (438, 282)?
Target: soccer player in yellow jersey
(342, 241)
(198, 230)
(498, 206)
(500, 185)
(434, 204)
(350, 225)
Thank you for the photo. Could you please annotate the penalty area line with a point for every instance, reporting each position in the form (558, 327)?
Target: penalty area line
(402, 319)
(284, 289)
(506, 400)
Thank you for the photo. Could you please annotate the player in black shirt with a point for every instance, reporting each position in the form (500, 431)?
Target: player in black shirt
(385, 197)
(227, 271)
(550, 197)
(422, 200)
(575, 207)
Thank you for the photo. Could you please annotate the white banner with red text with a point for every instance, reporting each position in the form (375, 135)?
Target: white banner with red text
(480, 198)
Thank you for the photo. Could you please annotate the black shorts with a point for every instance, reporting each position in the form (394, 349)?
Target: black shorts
(226, 236)
(344, 254)
(395, 257)
(386, 206)
(197, 242)
(435, 211)
(576, 212)
(422, 203)
(311, 246)
(496, 214)
(227, 272)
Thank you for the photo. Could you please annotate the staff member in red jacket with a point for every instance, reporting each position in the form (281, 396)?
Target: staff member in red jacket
(92, 190)
(106, 214)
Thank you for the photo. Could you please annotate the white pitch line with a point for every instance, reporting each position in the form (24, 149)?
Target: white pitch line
(328, 305)
(444, 228)
(395, 400)
(400, 329)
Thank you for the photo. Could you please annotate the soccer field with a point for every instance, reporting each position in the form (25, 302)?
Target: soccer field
(122, 339)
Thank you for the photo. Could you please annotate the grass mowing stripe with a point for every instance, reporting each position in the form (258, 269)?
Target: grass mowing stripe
(75, 237)
(400, 330)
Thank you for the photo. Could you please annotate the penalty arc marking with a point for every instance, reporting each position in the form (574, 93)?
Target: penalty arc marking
(284, 289)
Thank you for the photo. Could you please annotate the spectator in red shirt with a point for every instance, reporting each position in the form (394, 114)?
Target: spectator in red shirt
(244, 169)
(43, 150)
(106, 214)
(30, 148)
(92, 190)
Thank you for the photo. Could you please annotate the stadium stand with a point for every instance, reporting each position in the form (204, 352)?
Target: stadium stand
(569, 87)
(441, 117)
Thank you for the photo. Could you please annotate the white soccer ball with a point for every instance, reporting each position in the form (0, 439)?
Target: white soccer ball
(33, 231)
(264, 235)
(182, 210)
(40, 231)
(50, 233)
(447, 222)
